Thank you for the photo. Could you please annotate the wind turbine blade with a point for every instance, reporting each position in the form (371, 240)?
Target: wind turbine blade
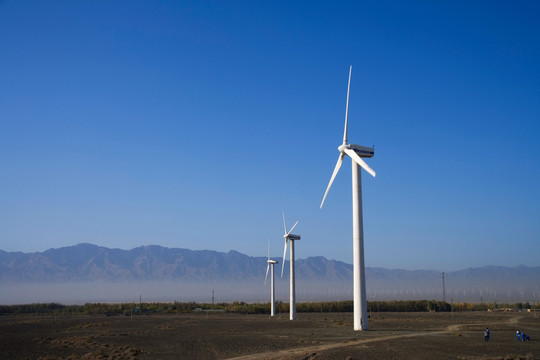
(283, 262)
(266, 277)
(284, 225)
(292, 227)
(268, 252)
(347, 108)
(354, 156)
(336, 169)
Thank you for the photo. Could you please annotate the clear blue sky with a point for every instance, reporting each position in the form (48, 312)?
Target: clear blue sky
(193, 124)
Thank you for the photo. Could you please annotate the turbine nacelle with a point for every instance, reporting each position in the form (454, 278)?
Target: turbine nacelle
(271, 261)
(291, 237)
(362, 151)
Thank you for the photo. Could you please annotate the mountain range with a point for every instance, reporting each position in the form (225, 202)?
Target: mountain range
(87, 262)
(317, 277)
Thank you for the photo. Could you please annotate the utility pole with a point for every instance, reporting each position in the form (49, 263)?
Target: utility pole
(443, 288)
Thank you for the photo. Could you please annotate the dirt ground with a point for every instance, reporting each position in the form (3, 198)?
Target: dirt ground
(311, 336)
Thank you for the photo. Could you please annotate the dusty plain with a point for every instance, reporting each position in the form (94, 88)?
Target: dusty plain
(236, 336)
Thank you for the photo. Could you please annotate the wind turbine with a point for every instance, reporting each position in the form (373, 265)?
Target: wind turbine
(356, 153)
(289, 237)
(271, 263)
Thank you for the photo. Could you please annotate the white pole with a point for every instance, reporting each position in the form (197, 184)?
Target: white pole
(292, 307)
(273, 294)
(359, 288)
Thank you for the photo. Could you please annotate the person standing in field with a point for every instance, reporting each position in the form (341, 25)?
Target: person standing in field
(486, 335)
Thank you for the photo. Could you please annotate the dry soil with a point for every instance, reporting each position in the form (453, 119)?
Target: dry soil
(232, 336)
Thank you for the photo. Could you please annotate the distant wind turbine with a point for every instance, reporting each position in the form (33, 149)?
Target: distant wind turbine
(271, 264)
(289, 237)
(356, 153)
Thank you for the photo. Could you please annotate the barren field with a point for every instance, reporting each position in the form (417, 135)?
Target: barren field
(228, 336)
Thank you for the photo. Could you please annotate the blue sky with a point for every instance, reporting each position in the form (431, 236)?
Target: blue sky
(194, 124)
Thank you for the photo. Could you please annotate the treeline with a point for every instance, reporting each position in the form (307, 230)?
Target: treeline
(253, 308)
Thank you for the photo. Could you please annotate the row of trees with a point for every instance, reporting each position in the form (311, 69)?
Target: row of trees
(253, 308)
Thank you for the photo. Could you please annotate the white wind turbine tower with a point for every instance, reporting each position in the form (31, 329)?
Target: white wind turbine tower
(271, 263)
(356, 153)
(289, 237)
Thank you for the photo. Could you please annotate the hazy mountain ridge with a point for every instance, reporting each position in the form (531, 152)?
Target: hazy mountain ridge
(87, 272)
(87, 262)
